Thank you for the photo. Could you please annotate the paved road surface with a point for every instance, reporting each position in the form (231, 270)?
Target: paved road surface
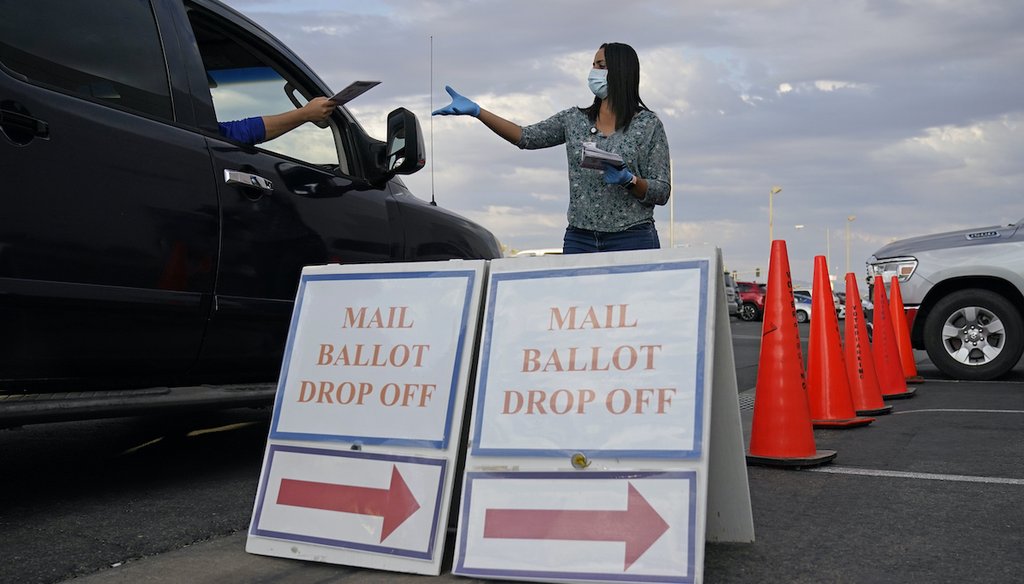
(930, 494)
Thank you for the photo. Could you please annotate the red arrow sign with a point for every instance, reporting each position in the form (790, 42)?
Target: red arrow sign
(395, 504)
(639, 526)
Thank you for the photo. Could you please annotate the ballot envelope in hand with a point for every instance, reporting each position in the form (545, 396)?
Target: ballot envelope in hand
(354, 90)
(595, 158)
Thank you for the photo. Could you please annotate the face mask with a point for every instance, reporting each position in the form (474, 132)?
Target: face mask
(598, 82)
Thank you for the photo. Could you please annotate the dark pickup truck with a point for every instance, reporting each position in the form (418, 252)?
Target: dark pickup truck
(146, 261)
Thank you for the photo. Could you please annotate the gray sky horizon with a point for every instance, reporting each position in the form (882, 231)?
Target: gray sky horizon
(906, 115)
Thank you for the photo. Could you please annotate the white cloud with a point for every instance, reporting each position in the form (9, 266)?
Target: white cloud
(905, 114)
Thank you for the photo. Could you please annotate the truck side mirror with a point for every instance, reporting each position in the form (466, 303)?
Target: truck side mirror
(405, 152)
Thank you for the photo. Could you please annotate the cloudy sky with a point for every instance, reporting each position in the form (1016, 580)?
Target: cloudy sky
(907, 115)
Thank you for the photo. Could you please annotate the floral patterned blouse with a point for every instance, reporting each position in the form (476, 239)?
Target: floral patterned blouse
(593, 204)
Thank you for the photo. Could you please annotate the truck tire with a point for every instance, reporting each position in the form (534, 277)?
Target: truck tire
(974, 334)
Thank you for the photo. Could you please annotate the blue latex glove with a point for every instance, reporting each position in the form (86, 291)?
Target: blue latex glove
(617, 176)
(460, 105)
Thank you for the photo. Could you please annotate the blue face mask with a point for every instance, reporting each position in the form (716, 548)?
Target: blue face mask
(598, 82)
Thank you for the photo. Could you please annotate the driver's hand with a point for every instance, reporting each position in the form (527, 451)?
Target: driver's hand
(319, 109)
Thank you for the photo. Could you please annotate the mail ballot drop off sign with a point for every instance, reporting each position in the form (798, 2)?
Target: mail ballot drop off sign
(374, 357)
(605, 360)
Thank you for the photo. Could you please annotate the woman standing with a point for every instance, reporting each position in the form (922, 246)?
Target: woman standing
(613, 211)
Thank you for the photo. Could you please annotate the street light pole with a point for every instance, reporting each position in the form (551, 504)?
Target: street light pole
(849, 219)
(828, 249)
(671, 208)
(771, 194)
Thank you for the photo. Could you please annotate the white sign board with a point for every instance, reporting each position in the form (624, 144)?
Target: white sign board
(366, 423)
(592, 345)
(597, 377)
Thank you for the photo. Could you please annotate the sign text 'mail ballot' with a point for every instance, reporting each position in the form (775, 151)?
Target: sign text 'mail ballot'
(620, 358)
(351, 388)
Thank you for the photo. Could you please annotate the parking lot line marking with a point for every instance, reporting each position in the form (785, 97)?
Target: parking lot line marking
(916, 475)
(141, 446)
(226, 428)
(962, 411)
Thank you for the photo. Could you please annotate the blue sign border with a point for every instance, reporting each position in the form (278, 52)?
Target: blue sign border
(375, 440)
(338, 543)
(461, 569)
(485, 353)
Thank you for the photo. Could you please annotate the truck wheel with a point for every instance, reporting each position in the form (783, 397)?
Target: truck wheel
(748, 312)
(974, 334)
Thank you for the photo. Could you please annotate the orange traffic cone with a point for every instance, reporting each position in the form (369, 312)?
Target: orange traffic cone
(891, 380)
(781, 434)
(860, 365)
(828, 388)
(902, 332)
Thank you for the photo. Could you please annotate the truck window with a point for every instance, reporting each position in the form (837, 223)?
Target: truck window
(244, 84)
(81, 48)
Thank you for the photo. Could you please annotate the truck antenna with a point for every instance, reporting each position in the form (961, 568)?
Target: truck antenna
(432, 201)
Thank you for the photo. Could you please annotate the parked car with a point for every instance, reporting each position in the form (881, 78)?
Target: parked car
(140, 248)
(751, 300)
(963, 292)
(802, 305)
(732, 299)
(836, 302)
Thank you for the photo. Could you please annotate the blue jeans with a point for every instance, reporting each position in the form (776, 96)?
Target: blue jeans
(643, 236)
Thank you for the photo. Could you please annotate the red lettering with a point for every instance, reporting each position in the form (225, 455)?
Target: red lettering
(664, 398)
(384, 394)
(535, 397)
(617, 361)
(354, 319)
(559, 320)
(427, 393)
(553, 361)
(326, 350)
(568, 399)
(350, 392)
(512, 396)
(591, 319)
(303, 396)
(614, 317)
(326, 388)
(611, 399)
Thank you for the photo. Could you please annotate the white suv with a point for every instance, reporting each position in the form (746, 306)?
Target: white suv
(964, 296)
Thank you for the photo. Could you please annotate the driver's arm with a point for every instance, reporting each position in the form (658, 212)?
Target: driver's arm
(318, 109)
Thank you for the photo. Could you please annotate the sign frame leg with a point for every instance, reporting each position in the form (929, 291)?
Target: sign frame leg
(729, 514)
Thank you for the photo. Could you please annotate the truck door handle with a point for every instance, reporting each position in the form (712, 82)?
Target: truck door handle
(245, 179)
(21, 127)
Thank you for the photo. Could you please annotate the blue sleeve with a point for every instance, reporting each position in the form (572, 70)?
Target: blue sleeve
(248, 131)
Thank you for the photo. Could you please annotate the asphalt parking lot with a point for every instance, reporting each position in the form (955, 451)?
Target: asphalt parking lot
(931, 493)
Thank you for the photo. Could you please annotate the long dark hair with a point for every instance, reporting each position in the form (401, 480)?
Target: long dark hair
(623, 85)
